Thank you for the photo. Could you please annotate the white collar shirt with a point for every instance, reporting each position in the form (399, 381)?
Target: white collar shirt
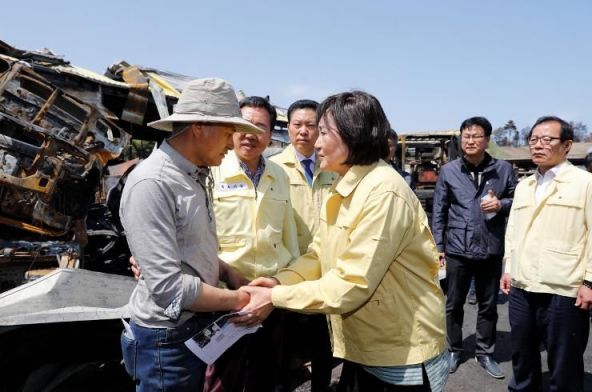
(543, 181)
(312, 157)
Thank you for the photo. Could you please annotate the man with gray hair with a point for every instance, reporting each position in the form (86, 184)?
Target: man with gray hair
(166, 210)
(548, 264)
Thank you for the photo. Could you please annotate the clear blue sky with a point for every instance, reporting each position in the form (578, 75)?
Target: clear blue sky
(430, 63)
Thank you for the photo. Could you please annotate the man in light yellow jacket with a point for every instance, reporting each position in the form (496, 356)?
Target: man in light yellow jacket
(256, 227)
(548, 263)
(309, 186)
(257, 236)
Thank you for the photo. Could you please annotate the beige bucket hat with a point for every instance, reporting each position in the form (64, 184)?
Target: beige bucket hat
(210, 100)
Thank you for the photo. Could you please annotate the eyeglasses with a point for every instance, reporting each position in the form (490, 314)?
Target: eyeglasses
(474, 137)
(545, 140)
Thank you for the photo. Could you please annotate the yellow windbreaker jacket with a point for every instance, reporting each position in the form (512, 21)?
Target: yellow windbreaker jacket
(255, 227)
(306, 200)
(373, 266)
(549, 246)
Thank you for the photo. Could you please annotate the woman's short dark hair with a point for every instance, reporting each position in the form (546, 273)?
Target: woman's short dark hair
(260, 102)
(567, 132)
(393, 135)
(361, 123)
(302, 104)
(478, 121)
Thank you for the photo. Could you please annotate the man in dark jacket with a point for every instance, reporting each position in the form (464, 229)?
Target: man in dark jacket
(472, 200)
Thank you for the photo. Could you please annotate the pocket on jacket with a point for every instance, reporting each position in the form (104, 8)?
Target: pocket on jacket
(560, 267)
(129, 351)
(273, 212)
(376, 326)
(566, 201)
(456, 239)
(327, 183)
(272, 239)
(231, 243)
(298, 181)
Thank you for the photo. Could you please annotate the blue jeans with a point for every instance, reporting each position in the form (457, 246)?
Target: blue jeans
(158, 360)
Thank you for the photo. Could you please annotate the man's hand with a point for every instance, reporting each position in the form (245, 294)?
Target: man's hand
(264, 282)
(135, 268)
(243, 299)
(584, 298)
(259, 306)
(506, 283)
(491, 205)
(441, 259)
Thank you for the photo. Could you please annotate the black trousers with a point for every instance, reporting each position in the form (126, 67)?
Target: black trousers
(253, 364)
(561, 327)
(307, 336)
(487, 273)
(355, 379)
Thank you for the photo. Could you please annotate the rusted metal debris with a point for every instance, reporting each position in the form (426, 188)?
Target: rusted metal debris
(60, 126)
(57, 135)
(62, 133)
(53, 148)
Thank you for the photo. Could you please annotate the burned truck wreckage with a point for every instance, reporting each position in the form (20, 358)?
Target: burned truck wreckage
(60, 126)
(63, 254)
(53, 149)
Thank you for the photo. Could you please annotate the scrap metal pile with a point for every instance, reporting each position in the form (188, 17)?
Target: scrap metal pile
(60, 126)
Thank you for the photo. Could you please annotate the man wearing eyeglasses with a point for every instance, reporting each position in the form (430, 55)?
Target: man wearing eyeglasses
(548, 263)
(472, 199)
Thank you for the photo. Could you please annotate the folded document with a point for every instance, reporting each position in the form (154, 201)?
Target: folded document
(211, 342)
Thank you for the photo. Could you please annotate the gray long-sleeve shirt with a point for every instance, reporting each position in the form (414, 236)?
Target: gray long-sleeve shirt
(170, 234)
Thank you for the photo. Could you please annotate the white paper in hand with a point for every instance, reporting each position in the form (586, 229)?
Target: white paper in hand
(442, 273)
(488, 215)
(212, 341)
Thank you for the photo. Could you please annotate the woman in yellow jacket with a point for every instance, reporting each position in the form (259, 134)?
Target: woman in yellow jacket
(373, 264)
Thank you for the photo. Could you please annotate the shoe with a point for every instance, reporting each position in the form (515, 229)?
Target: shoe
(455, 357)
(472, 297)
(490, 365)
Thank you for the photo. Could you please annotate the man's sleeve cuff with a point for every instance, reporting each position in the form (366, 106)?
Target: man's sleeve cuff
(507, 267)
(173, 311)
(191, 290)
(279, 296)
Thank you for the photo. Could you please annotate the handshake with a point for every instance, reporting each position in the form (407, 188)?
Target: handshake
(259, 304)
(254, 298)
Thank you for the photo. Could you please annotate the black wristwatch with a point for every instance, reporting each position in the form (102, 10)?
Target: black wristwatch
(588, 284)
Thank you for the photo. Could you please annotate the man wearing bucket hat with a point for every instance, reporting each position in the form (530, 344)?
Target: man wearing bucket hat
(166, 210)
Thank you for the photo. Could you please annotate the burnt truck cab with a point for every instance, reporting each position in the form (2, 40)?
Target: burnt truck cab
(422, 154)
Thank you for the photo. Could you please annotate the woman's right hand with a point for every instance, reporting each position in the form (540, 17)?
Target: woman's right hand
(259, 306)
